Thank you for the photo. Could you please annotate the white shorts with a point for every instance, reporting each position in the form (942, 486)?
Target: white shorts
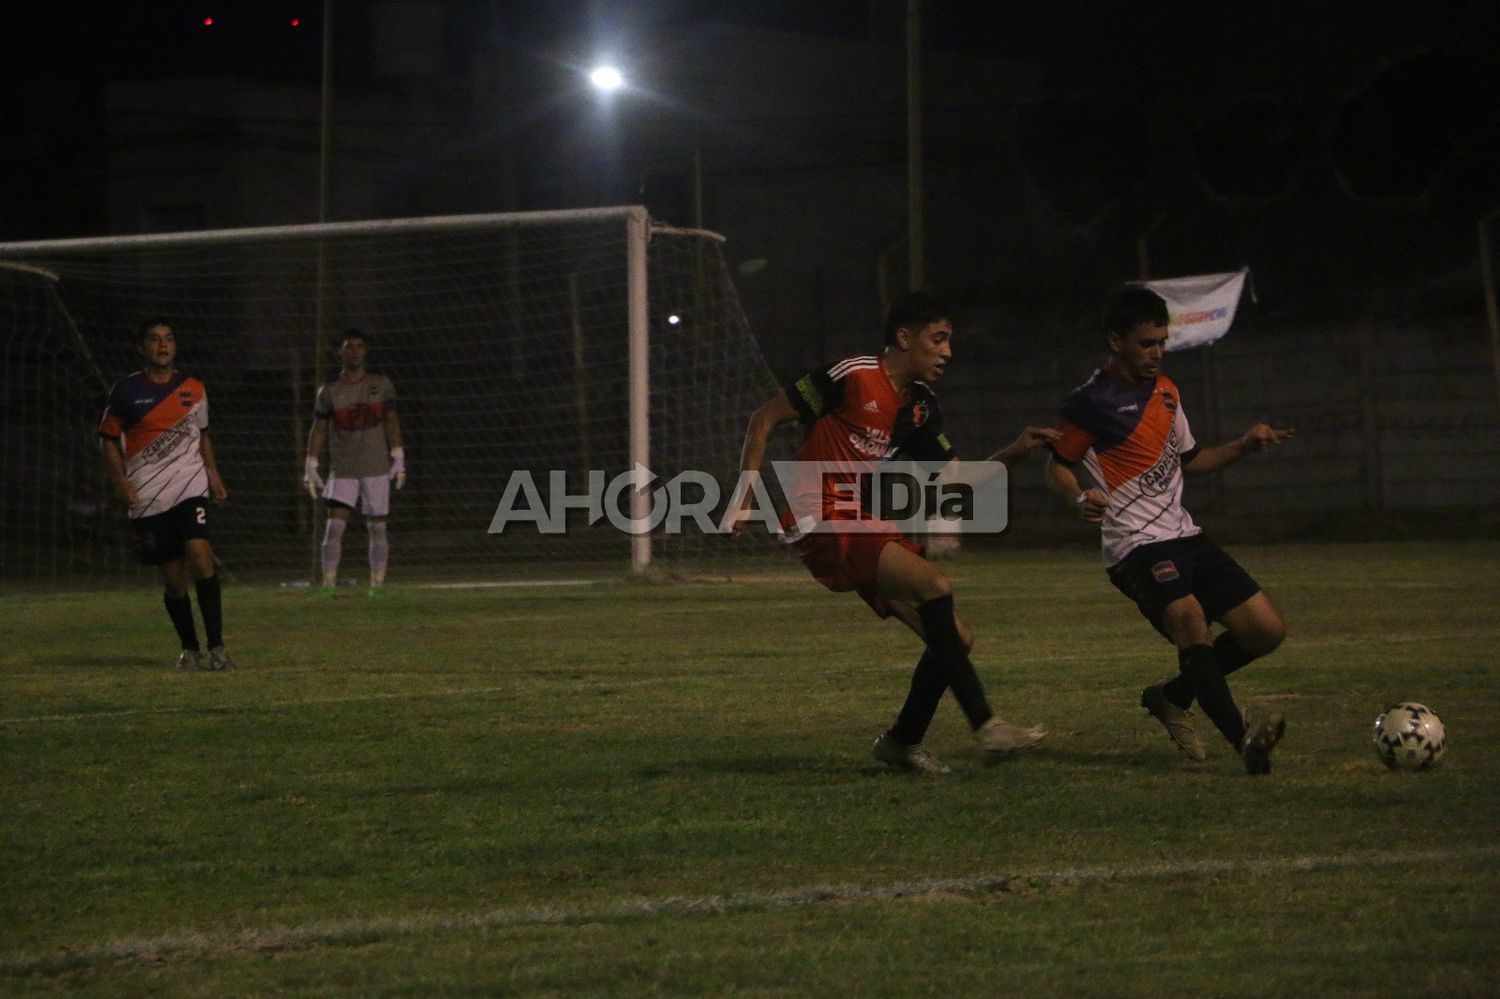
(371, 495)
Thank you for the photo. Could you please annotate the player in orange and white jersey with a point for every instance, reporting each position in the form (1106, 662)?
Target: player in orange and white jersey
(1127, 428)
(156, 449)
(857, 413)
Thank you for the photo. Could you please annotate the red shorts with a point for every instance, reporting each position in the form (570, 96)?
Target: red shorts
(849, 561)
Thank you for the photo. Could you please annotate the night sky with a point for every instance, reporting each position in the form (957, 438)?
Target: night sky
(1416, 86)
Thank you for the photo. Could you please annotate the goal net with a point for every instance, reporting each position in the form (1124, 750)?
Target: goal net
(572, 341)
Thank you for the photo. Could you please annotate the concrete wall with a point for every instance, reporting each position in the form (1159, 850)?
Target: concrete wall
(1390, 417)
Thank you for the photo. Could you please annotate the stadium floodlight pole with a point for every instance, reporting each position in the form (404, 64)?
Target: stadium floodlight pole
(1491, 310)
(325, 112)
(915, 222)
(325, 143)
(320, 333)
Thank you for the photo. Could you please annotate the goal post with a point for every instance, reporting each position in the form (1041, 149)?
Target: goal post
(557, 342)
(640, 379)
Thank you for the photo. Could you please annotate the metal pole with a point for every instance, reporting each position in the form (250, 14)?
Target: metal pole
(698, 183)
(325, 116)
(320, 335)
(1369, 401)
(915, 222)
(1492, 311)
(580, 381)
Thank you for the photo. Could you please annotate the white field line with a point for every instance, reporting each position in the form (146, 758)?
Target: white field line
(510, 584)
(211, 943)
(1451, 636)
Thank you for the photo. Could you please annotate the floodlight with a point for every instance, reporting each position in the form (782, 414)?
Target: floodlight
(606, 78)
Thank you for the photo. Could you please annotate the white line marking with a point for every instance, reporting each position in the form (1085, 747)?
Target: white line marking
(505, 585)
(191, 943)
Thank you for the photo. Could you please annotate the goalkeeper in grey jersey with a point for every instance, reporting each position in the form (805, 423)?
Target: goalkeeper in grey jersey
(356, 415)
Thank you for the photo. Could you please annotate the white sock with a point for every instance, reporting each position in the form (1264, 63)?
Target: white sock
(380, 553)
(333, 549)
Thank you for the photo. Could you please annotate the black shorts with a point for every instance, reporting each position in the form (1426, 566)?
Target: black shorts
(1154, 575)
(163, 537)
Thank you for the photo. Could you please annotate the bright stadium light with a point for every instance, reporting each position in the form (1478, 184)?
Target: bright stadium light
(606, 78)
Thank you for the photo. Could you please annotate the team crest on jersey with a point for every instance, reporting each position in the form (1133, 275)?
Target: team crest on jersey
(1165, 571)
(185, 397)
(918, 413)
(1169, 400)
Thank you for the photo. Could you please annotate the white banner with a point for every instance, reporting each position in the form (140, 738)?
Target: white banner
(1201, 307)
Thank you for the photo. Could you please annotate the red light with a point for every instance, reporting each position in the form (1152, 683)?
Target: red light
(296, 22)
(208, 22)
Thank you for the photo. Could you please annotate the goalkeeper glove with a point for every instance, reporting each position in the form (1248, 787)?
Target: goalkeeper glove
(311, 480)
(398, 466)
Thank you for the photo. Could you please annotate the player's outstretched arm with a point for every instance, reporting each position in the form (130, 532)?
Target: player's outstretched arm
(776, 412)
(1261, 437)
(1090, 503)
(976, 474)
(1028, 441)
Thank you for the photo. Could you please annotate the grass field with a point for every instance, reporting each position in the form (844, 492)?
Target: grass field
(664, 788)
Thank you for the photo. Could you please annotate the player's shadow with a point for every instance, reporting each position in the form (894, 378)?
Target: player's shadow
(1124, 758)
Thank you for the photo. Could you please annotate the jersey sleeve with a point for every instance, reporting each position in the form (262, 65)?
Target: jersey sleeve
(321, 409)
(200, 411)
(112, 423)
(814, 394)
(1187, 444)
(1075, 440)
(390, 393)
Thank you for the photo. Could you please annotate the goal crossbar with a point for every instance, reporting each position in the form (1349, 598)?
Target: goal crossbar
(333, 230)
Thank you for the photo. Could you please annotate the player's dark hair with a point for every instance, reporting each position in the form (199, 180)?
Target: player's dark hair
(147, 325)
(355, 333)
(1131, 305)
(913, 310)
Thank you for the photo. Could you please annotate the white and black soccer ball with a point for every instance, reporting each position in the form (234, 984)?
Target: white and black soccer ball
(1409, 736)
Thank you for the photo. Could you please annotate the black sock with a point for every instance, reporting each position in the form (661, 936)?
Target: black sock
(209, 606)
(940, 628)
(180, 610)
(928, 682)
(1229, 654)
(1202, 669)
(1179, 691)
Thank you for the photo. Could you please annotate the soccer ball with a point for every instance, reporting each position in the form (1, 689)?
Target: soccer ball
(1409, 737)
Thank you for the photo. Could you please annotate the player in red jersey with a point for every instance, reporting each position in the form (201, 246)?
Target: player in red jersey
(154, 440)
(1127, 427)
(858, 413)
